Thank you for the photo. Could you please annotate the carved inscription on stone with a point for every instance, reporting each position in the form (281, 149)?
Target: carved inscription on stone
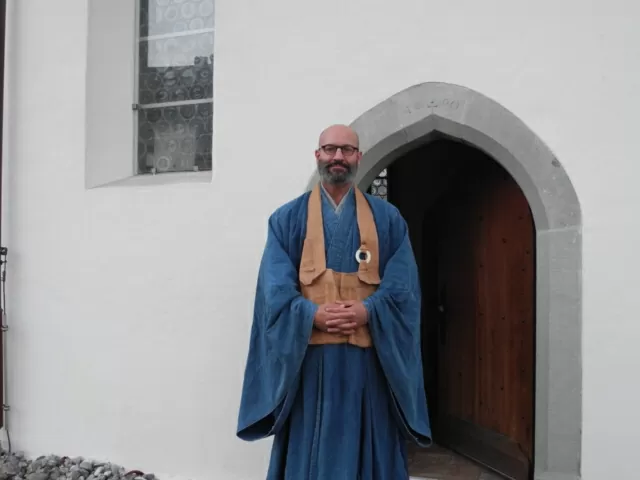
(434, 104)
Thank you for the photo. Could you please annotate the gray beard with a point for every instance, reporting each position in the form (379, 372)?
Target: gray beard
(336, 178)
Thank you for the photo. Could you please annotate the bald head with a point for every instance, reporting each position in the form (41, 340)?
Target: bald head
(339, 135)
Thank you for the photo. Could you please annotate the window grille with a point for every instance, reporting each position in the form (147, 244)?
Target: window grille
(174, 85)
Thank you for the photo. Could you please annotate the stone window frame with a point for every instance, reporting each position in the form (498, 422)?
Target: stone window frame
(409, 119)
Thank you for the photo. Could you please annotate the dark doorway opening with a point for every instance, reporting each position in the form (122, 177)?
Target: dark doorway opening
(474, 239)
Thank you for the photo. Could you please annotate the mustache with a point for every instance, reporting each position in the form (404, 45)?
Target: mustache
(337, 163)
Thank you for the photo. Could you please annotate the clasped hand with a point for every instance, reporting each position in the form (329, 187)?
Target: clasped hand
(341, 317)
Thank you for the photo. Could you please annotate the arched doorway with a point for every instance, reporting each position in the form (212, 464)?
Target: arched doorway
(421, 114)
(473, 236)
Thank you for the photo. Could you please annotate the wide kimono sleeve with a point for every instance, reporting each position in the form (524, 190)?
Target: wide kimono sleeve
(280, 333)
(394, 323)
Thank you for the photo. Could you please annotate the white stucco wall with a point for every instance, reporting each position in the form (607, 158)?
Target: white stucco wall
(130, 306)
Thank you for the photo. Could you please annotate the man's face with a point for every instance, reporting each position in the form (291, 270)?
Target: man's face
(338, 156)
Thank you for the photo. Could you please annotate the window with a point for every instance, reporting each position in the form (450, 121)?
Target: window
(379, 186)
(174, 86)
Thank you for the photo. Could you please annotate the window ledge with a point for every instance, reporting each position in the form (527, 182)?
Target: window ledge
(171, 178)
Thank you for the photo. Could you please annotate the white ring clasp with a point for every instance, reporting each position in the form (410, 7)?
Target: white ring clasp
(367, 254)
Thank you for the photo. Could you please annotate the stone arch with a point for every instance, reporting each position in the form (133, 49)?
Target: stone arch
(411, 118)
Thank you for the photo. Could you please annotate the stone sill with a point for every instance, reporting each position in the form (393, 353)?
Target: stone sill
(171, 178)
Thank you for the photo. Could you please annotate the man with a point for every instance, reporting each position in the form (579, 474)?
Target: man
(334, 369)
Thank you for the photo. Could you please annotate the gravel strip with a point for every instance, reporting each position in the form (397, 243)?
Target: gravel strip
(15, 466)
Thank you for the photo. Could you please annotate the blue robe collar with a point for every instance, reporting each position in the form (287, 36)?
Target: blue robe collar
(337, 208)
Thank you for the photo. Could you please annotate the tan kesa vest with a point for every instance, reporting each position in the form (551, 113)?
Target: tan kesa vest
(322, 285)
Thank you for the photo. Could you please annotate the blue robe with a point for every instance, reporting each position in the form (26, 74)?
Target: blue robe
(338, 412)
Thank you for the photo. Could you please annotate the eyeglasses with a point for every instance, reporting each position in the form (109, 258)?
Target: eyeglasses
(347, 150)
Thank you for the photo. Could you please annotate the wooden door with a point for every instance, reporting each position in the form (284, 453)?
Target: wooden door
(485, 297)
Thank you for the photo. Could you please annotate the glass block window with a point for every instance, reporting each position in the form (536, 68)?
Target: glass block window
(175, 85)
(379, 186)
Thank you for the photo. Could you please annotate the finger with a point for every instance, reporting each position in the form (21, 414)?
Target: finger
(348, 326)
(346, 303)
(335, 309)
(338, 321)
(333, 306)
(347, 329)
(335, 330)
(340, 315)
